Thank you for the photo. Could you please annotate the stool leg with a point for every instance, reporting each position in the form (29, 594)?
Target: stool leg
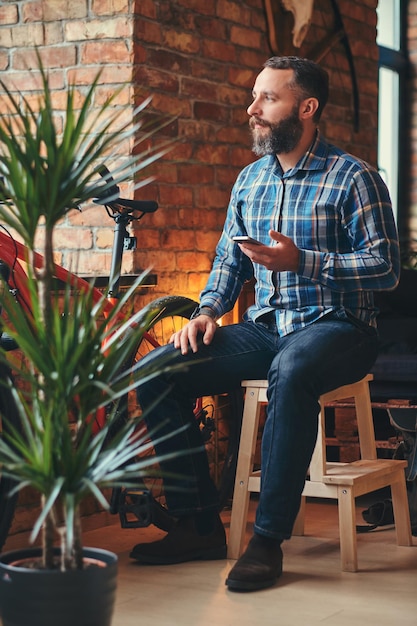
(298, 528)
(401, 511)
(347, 529)
(244, 468)
(365, 422)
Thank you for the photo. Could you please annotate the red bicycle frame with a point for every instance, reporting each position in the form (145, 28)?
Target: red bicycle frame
(14, 253)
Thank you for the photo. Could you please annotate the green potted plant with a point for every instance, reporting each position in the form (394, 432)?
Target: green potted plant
(73, 358)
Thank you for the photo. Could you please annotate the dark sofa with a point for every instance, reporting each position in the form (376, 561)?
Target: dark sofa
(395, 370)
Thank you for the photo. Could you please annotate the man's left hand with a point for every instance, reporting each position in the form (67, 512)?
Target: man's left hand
(283, 257)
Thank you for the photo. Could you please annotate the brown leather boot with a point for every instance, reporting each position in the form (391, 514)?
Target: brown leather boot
(183, 543)
(259, 566)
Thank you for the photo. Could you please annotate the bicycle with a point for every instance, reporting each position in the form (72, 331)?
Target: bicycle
(219, 418)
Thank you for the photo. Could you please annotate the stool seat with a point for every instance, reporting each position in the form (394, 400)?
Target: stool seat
(341, 481)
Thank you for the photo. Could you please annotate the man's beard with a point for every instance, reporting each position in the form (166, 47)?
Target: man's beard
(282, 138)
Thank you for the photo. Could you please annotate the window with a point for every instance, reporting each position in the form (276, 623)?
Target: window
(392, 66)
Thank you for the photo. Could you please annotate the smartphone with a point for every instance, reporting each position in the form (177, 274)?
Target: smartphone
(246, 239)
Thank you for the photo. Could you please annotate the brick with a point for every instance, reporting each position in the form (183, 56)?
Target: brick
(53, 33)
(146, 8)
(115, 74)
(4, 60)
(241, 156)
(199, 89)
(178, 239)
(190, 261)
(91, 215)
(181, 195)
(207, 241)
(192, 218)
(233, 11)
(111, 52)
(157, 261)
(213, 154)
(8, 15)
(195, 172)
(148, 238)
(211, 28)
(254, 58)
(147, 31)
(32, 11)
(87, 263)
(196, 283)
(248, 38)
(227, 177)
(172, 105)
(242, 78)
(52, 57)
(233, 135)
(181, 41)
(104, 238)
(22, 35)
(208, 70)
(212, 198)
(221, 51)
(119, 99)
(210, 111)
(113, 28)
(62, 10)
(31, 81)
(155, 79)
(6, 38)
(208, 7)
(233, 96)
(67, 238)
(173, 62)
(110, 7)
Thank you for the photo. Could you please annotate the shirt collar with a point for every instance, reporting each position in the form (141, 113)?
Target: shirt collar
(313, 159)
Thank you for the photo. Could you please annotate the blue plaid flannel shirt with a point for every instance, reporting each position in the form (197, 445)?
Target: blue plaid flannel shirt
(337, 210)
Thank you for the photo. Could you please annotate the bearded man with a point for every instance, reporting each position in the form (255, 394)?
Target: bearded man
(327, 241)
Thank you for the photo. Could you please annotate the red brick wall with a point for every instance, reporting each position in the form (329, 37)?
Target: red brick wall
(200, 64)
(198, 60)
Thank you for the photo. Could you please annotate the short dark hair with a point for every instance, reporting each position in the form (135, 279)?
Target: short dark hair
(309, 77)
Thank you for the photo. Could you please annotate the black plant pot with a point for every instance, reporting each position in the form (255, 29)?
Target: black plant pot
(33, 597)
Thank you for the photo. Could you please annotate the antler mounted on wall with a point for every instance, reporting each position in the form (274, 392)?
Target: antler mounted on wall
(288, 23)
(278, 14)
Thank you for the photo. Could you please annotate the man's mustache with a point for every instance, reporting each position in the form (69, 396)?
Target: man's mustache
(256, 120)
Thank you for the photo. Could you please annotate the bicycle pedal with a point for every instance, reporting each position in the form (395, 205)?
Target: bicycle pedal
(135, 508)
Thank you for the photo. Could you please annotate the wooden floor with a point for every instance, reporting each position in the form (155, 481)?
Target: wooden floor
(311, 591)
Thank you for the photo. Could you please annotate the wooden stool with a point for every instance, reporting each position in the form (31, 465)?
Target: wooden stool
(341, 481)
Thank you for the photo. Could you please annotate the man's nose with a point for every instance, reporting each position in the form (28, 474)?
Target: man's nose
(253, 108)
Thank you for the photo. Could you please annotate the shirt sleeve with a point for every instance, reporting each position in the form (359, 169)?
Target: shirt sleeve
(373, 263)
(231, 268)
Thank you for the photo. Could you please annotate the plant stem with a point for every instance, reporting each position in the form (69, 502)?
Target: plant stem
(78, 549)
(47, 541)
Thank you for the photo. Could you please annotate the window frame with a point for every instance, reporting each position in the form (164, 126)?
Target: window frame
(396, 60)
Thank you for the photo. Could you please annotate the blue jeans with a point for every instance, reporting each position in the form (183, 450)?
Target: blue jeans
(300, 367)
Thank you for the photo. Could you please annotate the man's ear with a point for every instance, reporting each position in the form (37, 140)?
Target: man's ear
(308, 108)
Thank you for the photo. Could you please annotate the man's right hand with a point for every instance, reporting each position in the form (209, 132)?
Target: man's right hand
(186, 338)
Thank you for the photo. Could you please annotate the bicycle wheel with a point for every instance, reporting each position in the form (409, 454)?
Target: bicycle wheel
(219, 417)
(8, 419)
